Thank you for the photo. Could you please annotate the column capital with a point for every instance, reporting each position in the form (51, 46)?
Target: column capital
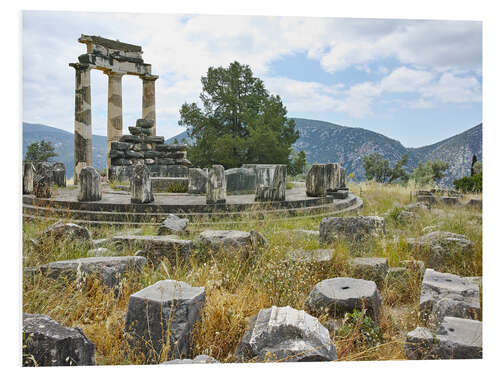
(113, 74)
(148, 77)
(79, 66)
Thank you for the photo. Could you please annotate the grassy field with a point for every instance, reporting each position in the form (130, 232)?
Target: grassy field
(237, 289)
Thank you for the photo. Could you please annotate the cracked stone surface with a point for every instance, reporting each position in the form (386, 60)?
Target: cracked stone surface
(445, 294)
(342, 295)
(456, 338)
(439, 244)
(49, 343)
(162, 313)
(321, 256)
(287, 335)
(370, 268)
(108, 269)
(227, 240)
(353, 227)
(66, 231)
(172, 225)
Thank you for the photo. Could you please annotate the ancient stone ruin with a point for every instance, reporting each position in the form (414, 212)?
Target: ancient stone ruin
(90, 185)
(115, 59)
(163, 160)
(216, 185)
(141, 190)
(270, 184)
(323, 179)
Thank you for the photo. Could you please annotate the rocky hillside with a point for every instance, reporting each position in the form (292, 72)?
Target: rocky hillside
(63, 142)
(322, 141)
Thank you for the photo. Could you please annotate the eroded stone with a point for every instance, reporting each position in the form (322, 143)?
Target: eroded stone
(354, 227)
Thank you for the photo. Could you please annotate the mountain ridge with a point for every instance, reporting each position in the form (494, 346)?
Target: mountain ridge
(321, 140)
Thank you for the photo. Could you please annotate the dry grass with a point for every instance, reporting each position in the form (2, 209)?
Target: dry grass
(238, 289)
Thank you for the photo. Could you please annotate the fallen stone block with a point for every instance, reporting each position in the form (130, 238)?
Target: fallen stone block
(197, 180)
(155, 248)
(353, 227)
(161, 318)
(66, 231)
(102, 252)
(445, 294)
(319, 256)
(369, 268)
(342, 295)
(108, 269)
(173, 225)
(48, 343)
(286, 335)
(475, 203)
(456, 338)
(230, 240)
(450, 201)
(418, 206)
(202, 358)
(437, 245)
(428, 199)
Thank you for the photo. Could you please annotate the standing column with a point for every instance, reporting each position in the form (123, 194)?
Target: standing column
(148, 99)
(83, 119)
(115, 113)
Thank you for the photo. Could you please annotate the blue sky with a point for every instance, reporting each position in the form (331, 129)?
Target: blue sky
(416, 81)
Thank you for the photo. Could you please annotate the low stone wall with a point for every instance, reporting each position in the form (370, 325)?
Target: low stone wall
(240, 180)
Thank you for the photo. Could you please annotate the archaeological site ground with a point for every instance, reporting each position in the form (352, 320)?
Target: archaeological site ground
(158, 261)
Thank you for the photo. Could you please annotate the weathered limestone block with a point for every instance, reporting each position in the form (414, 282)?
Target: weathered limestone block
(216, 185)
(438, 245)
(300, 233)
(41, 186)
(456, 338)
(155, 248)
(354, 227)
(332, 176)
(173, 225)
(59, 174)
(90, 185)
(198, 179)
(270, 184)
(428, 199)
(48, 343)
(102, 252)
(316, 183)
(166, 161)
(342, 177)
(131, 154)
(144, 123)
(163, 314)
(121, 146)
(342, 295)
(130, 139)
(240, 180)
(475, 203)
(230, 240)
(319, 256)
(202, 358)
(170, 147)
(108, 269)
(286, 335)
(450, 201)
(141, 190)
(445, 294)
(66, 231)
(169, 171)
(154, 139)
(28, 175)
(370, 268)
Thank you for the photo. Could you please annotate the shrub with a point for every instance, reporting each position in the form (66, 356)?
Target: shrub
(472, 184)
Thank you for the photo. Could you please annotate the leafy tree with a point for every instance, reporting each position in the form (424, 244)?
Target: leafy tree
(474, 161)
(239, 122)
(478, 168)
(470, 184)
(377, 168)
(298, 163)
(39, 152)
(430, 171)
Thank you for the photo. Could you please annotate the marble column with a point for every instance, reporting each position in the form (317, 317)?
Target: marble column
(83, 119)
(115, 113)
(148, 99)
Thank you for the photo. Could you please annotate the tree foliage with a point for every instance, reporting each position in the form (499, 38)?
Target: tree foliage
(430, 171)
(377, 168)
(470, 184)
(239, 122)
(39, 152)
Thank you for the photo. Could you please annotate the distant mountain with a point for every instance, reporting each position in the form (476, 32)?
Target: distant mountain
(63, 143)
(322, 141)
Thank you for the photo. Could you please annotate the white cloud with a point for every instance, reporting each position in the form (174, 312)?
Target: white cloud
(439, 60)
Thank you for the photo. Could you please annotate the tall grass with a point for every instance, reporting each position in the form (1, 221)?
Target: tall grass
(236, 289)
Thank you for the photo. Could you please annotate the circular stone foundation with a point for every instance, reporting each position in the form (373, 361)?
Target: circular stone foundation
(116, 208)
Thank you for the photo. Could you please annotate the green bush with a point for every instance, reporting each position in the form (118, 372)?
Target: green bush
(470, 184)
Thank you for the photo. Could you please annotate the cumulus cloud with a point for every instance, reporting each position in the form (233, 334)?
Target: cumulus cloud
(438, 61)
